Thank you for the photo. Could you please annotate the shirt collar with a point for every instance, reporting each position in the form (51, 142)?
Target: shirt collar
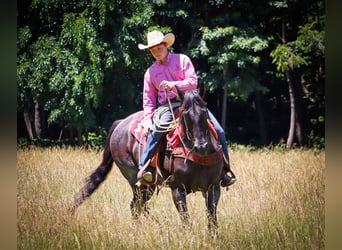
(167, 59)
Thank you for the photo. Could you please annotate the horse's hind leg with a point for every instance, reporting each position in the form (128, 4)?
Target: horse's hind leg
(138, 204)
(179, 199)
(212, 197)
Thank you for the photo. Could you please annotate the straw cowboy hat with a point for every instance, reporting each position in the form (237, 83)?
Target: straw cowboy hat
(156, 37)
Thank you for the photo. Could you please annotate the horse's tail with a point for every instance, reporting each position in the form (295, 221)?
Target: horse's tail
(93, 181)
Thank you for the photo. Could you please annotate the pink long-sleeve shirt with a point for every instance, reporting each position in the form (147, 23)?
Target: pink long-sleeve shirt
(178, 69)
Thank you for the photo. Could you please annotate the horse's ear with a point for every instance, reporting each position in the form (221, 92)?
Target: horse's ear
(180, 93)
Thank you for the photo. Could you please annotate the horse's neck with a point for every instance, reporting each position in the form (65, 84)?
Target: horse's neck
(212, 146)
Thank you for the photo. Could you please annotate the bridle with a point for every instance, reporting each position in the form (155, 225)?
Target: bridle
(188, 134)
(174, 124)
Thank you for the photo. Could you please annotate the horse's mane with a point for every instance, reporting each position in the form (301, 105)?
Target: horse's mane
(191, 98)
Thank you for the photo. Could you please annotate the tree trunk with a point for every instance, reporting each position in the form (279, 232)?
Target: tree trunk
(298, 93)
(37, 120)
(293, 112)
(299, 135)
(79, 137)
(290, 136)
(28, 125)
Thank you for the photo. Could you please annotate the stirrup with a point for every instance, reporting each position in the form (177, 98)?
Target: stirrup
(226, 166)
(144, 176)
(147, 176)
(142, 170)
(227, 180)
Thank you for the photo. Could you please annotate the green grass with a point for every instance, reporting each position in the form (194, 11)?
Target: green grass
(277, 203)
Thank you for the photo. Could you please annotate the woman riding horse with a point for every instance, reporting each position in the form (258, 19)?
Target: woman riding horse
(160, 81)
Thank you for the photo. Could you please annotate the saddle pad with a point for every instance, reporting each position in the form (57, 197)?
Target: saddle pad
(212, 129)
(137, 130)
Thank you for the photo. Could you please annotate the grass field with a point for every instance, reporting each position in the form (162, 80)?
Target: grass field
(277, 203)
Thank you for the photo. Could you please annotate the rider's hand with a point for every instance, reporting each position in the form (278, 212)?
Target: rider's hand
(166, 85)
(146, 130)
(147, 124)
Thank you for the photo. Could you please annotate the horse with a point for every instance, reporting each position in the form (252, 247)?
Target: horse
(195, 164)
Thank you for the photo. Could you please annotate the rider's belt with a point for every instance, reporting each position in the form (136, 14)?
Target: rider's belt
(175, 102)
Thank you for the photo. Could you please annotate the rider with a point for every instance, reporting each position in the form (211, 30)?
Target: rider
(169, 70)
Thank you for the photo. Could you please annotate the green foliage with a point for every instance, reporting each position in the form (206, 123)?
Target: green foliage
(298, 53)
(310, 39)
(79, 59)
(24, 143)
(78, 74)
(96, 140)
(23, 66)
(287, 57)
(232, 52)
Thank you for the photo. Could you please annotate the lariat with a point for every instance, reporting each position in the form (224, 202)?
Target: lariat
(162, 126)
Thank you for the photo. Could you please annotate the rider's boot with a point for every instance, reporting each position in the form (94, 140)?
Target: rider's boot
(146, 172)
(227, 180)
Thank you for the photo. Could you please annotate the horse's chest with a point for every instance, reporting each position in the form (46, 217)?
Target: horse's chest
(195, 177)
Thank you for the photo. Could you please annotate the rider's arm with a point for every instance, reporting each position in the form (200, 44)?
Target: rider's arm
(149, 99)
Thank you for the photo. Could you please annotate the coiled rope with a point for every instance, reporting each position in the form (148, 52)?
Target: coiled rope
(161, 126)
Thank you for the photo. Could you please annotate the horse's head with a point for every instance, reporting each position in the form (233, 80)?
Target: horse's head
(193, 117)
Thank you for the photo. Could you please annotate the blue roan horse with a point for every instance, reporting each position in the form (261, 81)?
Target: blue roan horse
(194, 165)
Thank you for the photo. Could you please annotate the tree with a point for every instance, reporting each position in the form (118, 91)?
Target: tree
(78, 74)
(33, 71)
(79, 68)
(69, 56)
(231, 52)
(293, 60)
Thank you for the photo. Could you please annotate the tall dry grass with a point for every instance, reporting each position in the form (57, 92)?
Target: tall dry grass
(277, 203)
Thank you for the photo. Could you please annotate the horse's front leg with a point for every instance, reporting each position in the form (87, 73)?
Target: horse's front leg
(141, 195)
(212, 197)
(179, 199)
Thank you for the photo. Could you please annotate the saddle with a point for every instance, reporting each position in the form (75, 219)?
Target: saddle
(137, 131)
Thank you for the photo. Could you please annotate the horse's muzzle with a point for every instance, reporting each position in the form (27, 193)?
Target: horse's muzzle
(201, 148)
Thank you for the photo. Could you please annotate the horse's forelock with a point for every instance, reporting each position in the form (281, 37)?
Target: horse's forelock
(192, 97)
(192, 101)
(199, 102)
